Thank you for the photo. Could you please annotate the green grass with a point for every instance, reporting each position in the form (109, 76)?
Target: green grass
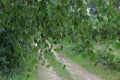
(25, 75)
(58, 67)
(27, 72)
(99, 70)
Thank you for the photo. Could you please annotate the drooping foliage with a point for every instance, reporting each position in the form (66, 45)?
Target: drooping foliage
(24, 22)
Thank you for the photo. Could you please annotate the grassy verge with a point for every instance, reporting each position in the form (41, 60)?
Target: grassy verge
(28, 70)
(58, 67)
(99, 70)
(25, 75)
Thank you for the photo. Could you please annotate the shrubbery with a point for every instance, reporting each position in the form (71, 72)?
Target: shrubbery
(8, 59)
(108, 55)
(107, 59)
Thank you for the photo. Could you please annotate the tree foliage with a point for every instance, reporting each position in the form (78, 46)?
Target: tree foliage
(26, 21)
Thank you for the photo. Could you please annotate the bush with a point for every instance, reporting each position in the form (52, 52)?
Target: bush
(107, 59)
(8, 59)
(117, 64)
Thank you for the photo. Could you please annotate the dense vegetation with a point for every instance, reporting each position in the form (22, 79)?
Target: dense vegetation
(85, 23)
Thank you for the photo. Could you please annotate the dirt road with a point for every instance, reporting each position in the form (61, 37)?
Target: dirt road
(45, 73)
(77, 72)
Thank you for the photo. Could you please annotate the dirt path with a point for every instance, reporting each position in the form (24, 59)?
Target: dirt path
(47, 73)
(78, 73)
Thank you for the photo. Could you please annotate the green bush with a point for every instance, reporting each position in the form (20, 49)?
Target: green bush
(8, 59)
(117, 64)
(107, 59)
